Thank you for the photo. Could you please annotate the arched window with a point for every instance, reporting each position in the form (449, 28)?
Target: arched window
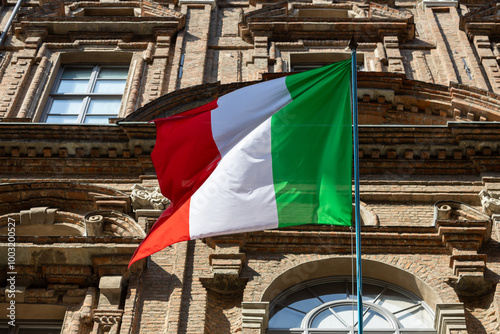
(327, 305)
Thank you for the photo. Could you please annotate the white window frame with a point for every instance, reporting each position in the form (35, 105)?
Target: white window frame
(305, 325)
(88, 95)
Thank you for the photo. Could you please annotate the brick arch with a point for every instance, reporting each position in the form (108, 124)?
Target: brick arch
(43, 221)
(65, 196)
(371, 269)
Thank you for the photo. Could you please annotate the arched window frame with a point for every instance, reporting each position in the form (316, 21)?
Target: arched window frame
(306, 328)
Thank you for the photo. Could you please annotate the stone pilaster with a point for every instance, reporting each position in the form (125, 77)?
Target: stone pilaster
(107, 317)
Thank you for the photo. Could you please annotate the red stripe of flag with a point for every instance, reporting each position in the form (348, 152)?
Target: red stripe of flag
(184, 156)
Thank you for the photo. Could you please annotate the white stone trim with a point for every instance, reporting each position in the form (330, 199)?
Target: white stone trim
(255, 315)
(449, 317)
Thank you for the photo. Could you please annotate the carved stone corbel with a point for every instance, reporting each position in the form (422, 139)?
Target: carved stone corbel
(148, 198)
(464, 230)
(491, 205)
(108, 321)
(107, 317)
(227, 264)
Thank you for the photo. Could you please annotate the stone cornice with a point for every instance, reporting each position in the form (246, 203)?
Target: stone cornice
(484, 20)
(375, 240)
(278, 23)
(385, 98)
(54, 19)
(466, 148)
(111, 150)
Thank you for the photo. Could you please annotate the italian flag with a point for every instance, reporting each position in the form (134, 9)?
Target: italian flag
(274, 154)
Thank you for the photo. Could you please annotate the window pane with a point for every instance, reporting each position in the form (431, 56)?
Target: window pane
(97, 119)
(330, 292)
(373, 319)
(394, 301)
(72, 86)
(109, 86)
(69, 106)
(370, 292)
(327, 319)
(104, 107)
(415, 318)
(286, 318)
(113, 73)
(61, 119)
(77, 72)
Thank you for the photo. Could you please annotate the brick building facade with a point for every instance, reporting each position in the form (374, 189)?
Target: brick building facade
(79, 81)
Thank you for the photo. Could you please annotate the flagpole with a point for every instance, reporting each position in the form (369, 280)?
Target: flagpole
(354, 96)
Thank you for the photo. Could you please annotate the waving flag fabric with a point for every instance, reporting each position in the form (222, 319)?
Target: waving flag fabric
(274, 154)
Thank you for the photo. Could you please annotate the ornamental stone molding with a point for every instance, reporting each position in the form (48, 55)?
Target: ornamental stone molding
(108, 315)
(36, 216)
(464, 231)
(440, 3)
(94, 225)
(107, 321)
(450, 319)
(255, 316)
(148, 198)
(490, 204)
(109, 222)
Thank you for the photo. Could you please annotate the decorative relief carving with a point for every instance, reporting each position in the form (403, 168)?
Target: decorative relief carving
(108, 321)
(148, 198)
(490, 204)
(464, 230)
(108, 222)
(94, 225)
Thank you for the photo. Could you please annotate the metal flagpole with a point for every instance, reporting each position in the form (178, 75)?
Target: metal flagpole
(354, 96)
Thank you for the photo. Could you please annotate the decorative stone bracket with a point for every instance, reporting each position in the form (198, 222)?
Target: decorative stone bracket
(255, 316)
(108, 321)
(464, 230)
(450, 319)
(148, 198)
(108, 316)
(227, 264)
(491, 205)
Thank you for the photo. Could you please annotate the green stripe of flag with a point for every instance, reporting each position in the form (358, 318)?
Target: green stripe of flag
(312, 148)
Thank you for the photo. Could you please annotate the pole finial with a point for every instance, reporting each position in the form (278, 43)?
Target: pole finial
(353, 45)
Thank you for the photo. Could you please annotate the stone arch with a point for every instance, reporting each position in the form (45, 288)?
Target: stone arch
(65, 196)
(66, 209)
(448, 316)
(371, 269)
